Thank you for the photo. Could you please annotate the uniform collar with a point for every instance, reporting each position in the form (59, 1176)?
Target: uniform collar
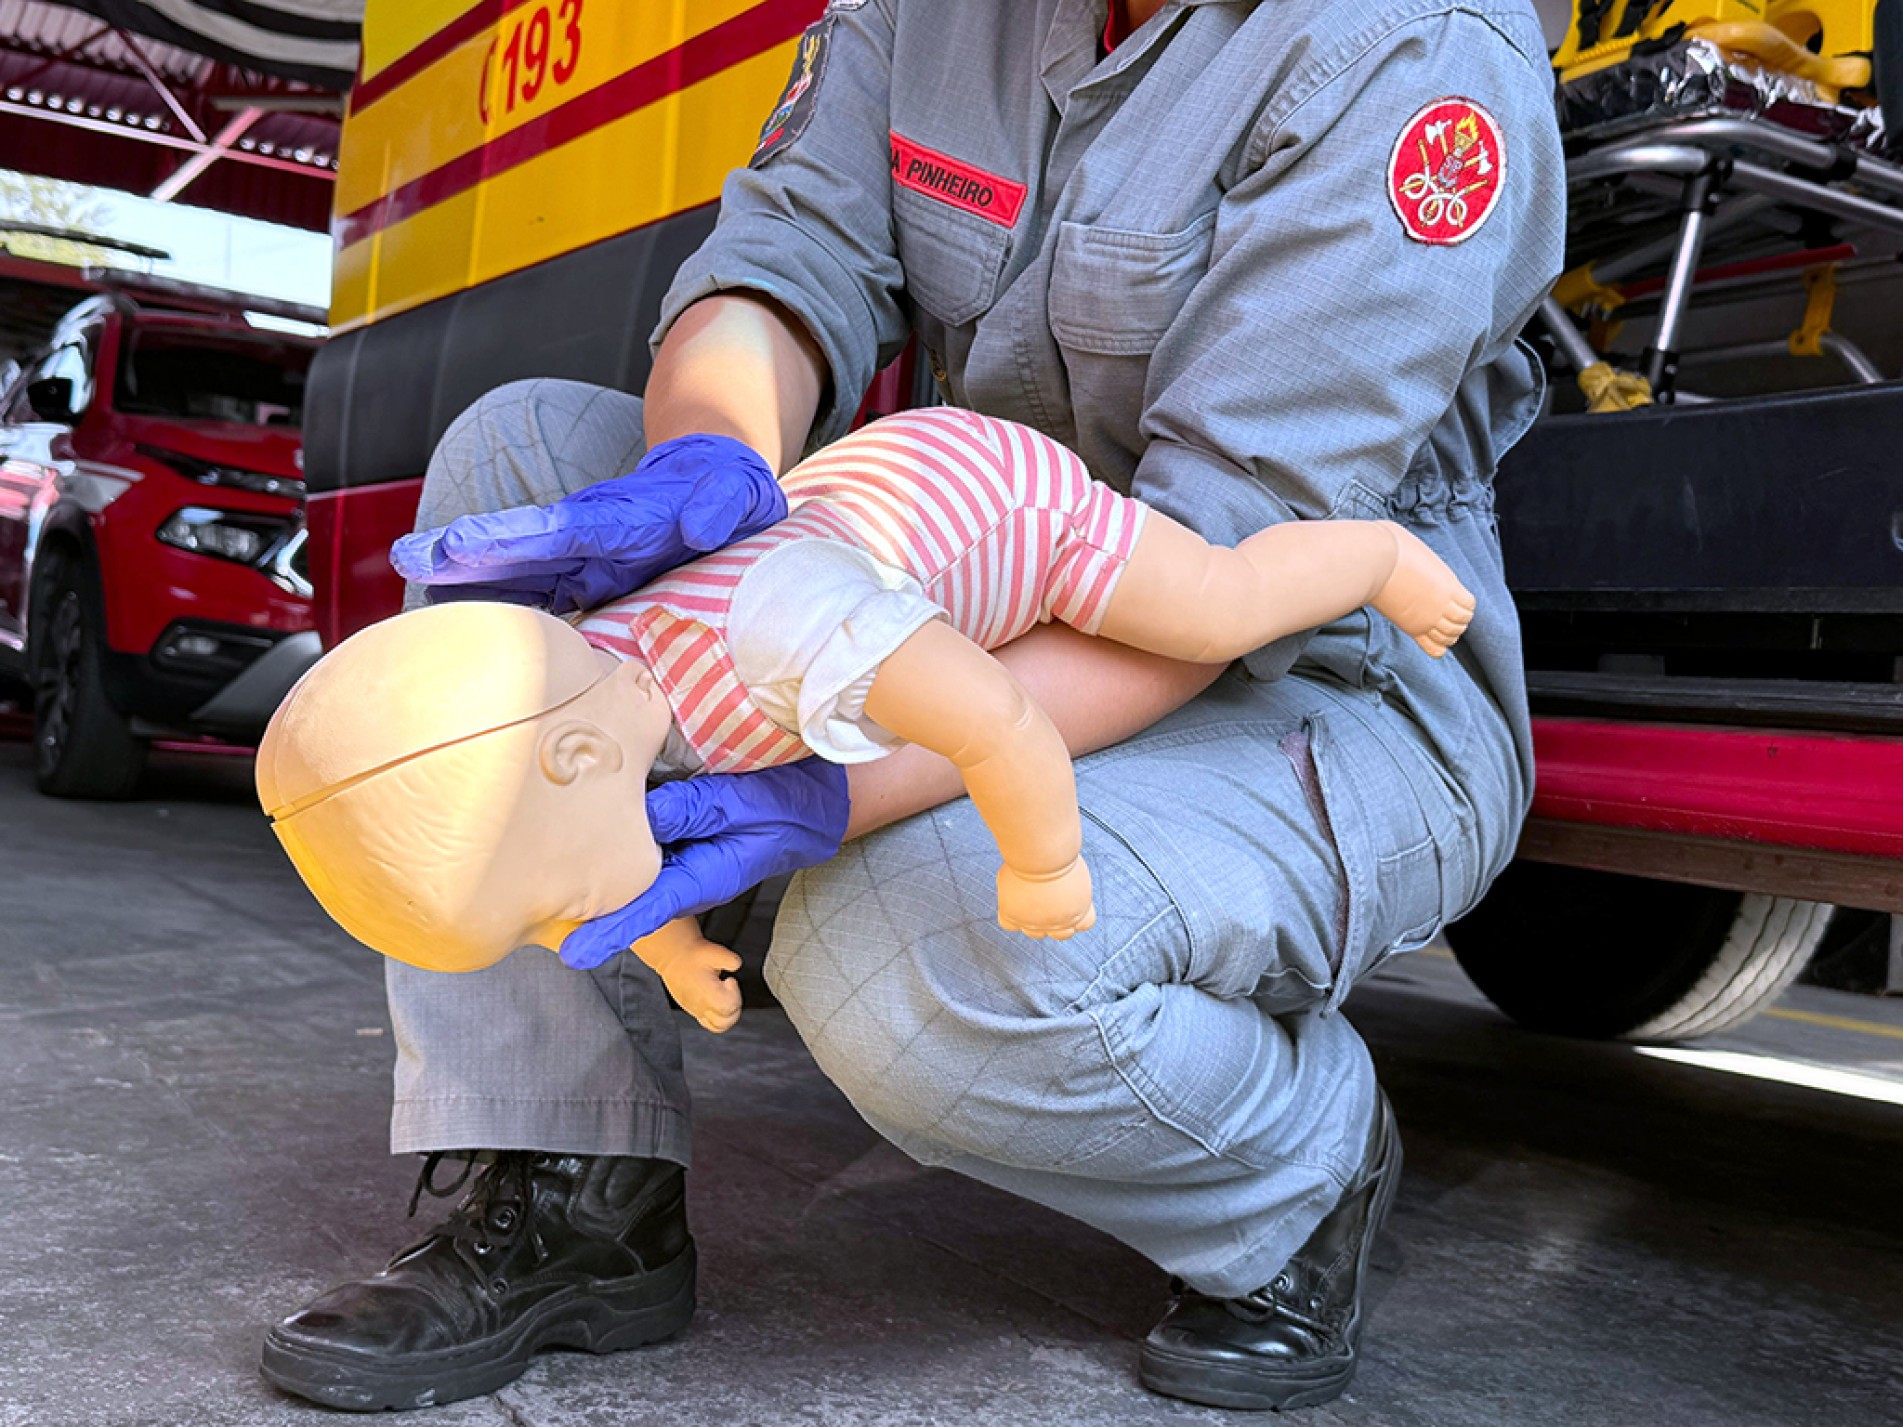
(1068, 57)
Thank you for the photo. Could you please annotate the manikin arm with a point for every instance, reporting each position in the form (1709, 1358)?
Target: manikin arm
(1096, 691)
(690, 967)
(943, 693)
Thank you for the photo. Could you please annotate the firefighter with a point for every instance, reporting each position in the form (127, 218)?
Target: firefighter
(1254, 262)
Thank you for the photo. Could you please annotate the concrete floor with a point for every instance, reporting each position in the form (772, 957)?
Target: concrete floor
(193, 1143)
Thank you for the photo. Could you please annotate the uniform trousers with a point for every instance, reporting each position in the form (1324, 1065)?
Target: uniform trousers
(1180, 1076)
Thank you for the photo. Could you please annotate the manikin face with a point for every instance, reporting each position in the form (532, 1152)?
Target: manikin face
(572, 842)
(462, 781)
(587, 849)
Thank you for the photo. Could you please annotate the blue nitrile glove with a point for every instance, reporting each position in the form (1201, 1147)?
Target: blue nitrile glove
(688, 496)
(722, 834)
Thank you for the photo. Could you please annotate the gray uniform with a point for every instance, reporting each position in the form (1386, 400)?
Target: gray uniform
(1194, 262)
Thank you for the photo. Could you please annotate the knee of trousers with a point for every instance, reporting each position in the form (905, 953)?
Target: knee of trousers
(951, 1035)
(511, 446)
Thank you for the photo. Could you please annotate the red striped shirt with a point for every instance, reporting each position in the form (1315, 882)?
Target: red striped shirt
(1001, 526)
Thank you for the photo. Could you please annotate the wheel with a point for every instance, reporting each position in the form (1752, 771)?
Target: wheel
(1614, 957)
(82, 745)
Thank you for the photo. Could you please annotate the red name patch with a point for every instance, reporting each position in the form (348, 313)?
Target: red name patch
(996, 200)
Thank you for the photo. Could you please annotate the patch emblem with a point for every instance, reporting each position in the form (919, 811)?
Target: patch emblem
(1446, 171)
(949, 180)
(794, 111)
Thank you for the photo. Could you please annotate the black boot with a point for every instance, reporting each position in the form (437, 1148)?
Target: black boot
(1294, 1342)
(543, 1251)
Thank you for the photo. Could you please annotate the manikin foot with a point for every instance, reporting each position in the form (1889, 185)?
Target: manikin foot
(1423, 596)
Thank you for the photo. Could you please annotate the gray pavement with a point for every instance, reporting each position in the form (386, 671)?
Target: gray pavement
(193, 1143)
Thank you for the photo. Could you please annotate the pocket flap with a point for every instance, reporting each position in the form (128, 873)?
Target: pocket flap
(951, 258)
(1114, 291)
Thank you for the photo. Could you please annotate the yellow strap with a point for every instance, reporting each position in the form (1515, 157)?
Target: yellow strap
(1609, 389)
(1772, 46)
(1820, 288)
(1579, 290)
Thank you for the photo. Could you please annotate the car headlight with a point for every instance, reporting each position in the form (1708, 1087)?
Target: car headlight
(240, 537)
(208, 474)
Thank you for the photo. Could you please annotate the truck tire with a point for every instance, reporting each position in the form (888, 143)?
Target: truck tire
(1613, 957)
(82, 745)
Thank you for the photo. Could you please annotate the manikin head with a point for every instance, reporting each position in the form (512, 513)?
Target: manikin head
(466, 779)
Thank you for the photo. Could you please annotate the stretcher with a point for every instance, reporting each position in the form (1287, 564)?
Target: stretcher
(1701, 155)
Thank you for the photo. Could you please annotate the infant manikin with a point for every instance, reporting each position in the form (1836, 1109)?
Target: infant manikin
(467, 779)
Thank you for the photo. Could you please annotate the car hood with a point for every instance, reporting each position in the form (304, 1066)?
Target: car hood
(270, 451)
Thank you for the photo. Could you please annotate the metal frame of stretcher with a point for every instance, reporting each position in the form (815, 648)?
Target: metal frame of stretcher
(1729, 170)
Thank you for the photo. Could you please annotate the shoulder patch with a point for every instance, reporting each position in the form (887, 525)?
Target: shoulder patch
(1446, 170)
(794, 109)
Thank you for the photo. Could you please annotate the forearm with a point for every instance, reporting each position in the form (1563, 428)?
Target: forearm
(737, 364)
(1096, 692)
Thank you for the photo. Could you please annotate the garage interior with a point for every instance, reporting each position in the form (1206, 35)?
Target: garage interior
(1588, 1232)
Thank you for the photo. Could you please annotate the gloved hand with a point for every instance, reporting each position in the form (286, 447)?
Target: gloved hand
(722, 834)
(688, 496)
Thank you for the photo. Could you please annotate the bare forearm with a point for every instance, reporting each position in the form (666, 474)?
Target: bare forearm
(1096, 692)
(740, 365)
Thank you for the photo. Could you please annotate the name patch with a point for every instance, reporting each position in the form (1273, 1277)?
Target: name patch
(994, 199)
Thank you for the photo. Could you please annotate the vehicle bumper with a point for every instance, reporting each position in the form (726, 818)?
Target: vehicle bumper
(1790, 813)
(204, 677)
(249, 700)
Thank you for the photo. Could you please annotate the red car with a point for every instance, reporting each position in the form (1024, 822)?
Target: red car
(151, 528)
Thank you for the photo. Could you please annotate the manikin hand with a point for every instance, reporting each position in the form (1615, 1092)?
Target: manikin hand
(691, 967)
(688, 496)
(722, 834)
(1057, 906)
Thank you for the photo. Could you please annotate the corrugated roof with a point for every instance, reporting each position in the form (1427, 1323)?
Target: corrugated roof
(77, 102)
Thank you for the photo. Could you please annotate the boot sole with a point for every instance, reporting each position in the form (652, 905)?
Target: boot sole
(1251, 1388)
(623, 1313)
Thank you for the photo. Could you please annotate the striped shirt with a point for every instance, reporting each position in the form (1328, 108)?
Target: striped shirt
(986, 523)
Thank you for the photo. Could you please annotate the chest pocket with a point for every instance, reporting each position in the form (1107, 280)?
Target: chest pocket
(952, 259)
(1114, 292)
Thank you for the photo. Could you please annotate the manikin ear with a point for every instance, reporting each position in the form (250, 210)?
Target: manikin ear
(575, 747)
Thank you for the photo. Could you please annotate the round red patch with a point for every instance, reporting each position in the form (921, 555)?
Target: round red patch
(1446, 171)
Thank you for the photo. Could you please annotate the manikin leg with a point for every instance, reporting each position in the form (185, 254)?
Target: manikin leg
(1183, 597)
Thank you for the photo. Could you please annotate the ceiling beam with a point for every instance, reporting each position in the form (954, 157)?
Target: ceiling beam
(72, 51)
(164, 88)
(164, 141)
(181, 177)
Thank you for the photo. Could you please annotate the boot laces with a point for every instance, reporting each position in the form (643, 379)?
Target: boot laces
(496, 1212)
(1279, 1298)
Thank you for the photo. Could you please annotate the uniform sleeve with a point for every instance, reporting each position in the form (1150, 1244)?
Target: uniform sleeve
(810, 222)
(1324, 344)
(810, 624)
